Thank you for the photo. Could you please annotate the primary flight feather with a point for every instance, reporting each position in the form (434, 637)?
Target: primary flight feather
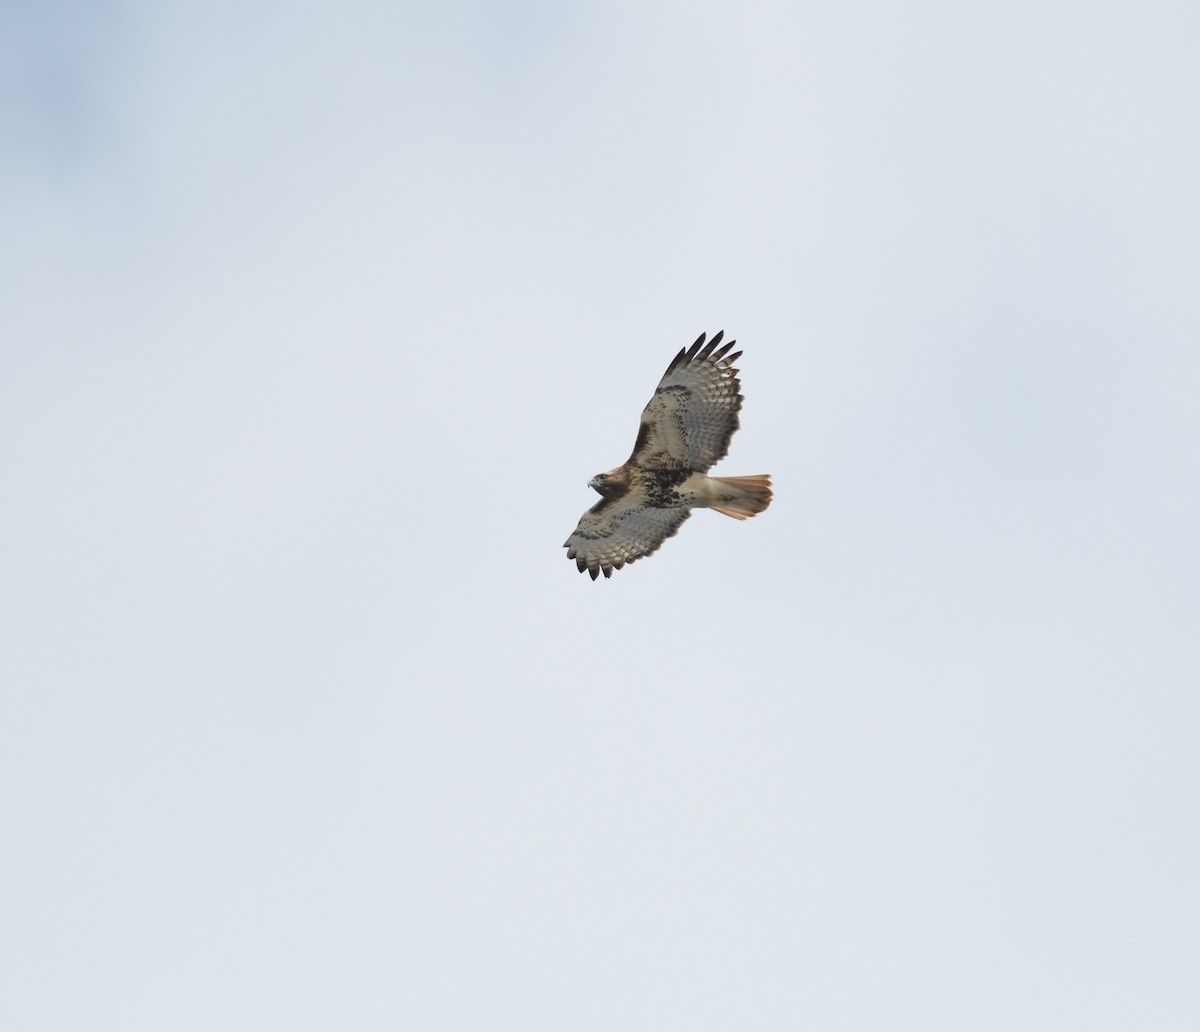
(685, 429)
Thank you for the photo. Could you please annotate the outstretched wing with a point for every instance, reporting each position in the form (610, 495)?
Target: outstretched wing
(694, 411)
(617, 531)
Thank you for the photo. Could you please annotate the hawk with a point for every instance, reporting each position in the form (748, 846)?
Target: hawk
(685, 429)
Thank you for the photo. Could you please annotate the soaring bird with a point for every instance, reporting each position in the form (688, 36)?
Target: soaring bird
(685, 429)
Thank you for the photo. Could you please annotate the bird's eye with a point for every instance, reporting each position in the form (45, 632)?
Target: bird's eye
(601, 476)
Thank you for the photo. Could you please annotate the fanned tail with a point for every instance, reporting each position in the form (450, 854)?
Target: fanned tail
(748, 496)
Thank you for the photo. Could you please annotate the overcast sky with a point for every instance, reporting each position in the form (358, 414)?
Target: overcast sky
(315, 321)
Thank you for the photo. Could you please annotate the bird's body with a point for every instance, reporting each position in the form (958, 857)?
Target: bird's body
(685, 429)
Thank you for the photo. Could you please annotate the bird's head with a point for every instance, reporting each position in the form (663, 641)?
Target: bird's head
(608, 485)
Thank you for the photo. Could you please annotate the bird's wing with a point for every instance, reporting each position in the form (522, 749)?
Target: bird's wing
(694, 412)
(617, 531)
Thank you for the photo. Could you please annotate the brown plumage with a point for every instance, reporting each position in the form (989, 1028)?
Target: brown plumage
(686, 428)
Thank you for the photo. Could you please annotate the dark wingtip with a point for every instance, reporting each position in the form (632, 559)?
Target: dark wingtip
(711, 353)
(595, 572)
(676, 360)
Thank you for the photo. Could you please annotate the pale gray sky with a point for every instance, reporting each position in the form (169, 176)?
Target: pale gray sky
(316, 319)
